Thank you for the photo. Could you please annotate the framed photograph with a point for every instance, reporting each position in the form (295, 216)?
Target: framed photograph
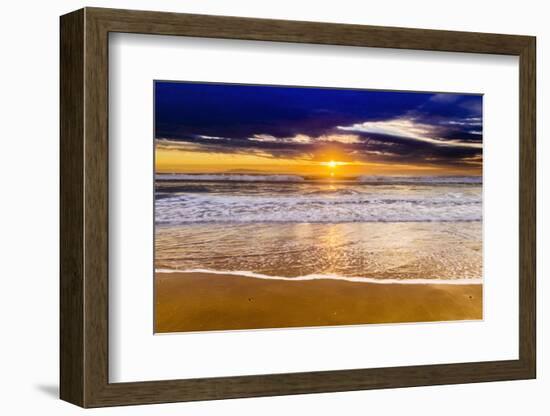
(256, 207)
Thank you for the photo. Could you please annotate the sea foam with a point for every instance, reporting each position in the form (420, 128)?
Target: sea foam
(315, 208)
(327, 277)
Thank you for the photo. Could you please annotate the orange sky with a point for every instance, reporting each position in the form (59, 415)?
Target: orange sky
(184, 161)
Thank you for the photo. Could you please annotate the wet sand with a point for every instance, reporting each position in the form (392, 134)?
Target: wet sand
(206, 302)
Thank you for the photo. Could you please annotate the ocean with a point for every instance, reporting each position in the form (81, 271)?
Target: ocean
(382, 229)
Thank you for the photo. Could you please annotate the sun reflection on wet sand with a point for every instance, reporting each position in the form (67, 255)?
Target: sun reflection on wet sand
(374, 250)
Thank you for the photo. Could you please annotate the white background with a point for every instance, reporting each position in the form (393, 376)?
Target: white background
(135, 60)
(29, 220)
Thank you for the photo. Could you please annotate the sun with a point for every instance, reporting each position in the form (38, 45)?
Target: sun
(332, 165)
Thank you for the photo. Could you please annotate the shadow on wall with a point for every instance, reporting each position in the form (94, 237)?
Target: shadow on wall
(49, 390)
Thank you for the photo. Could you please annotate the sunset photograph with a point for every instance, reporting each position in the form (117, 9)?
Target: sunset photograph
(284, 206)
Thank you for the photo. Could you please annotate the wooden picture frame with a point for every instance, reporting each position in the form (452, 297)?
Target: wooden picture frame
(84, 207)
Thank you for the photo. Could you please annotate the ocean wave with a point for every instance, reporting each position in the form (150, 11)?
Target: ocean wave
(231, 177)
(327, 277)
(207, 208)
(428, 180)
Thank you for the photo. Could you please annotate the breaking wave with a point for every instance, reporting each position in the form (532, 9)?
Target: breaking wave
(231, 177)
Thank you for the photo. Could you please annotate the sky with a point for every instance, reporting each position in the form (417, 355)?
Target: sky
(209, 128)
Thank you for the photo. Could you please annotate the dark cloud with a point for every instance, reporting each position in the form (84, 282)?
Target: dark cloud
(302, 122)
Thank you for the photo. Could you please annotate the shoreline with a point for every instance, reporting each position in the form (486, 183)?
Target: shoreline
(202, 301)
(315, 276)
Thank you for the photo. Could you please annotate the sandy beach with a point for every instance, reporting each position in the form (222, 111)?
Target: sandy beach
(207, 302)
